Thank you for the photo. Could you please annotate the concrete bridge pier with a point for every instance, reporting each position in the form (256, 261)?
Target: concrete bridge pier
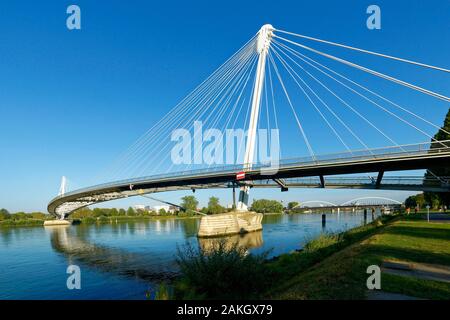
(230, 223)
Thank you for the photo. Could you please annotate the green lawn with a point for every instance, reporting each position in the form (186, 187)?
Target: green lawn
(343, 274)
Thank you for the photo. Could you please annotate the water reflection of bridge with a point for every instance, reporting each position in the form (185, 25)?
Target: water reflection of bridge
(248, 240)
(74, 244)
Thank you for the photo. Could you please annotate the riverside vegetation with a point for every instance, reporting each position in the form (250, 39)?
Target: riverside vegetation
(106, 215)
(225, 272)
(331, 266)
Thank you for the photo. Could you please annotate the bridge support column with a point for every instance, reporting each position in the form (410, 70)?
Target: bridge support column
(262, 47)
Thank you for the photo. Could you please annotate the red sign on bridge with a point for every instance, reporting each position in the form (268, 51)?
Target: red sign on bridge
(240, 175)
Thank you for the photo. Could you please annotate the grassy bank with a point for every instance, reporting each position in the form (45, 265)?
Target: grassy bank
(224, 268)
(22, 222)
(331, 266)
(287, 266)
(343, 274)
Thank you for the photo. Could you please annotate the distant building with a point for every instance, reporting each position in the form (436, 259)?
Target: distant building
(167, 208)
(173, 209)
(139, 207)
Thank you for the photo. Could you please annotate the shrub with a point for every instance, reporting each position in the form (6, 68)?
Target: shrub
(103, 219)
(223, 271)
(324, 240)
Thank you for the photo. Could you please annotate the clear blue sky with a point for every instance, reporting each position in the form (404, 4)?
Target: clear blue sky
(71, 101)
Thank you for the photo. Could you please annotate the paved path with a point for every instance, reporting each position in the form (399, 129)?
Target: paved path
(409, 269)
(383, 295)
(417, 270)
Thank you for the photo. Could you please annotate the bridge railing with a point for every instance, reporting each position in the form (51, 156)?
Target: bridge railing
(367, 180)
(363, 154)
(376, 153)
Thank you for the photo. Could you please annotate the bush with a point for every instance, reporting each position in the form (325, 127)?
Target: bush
(103, 219)
(224, 271)
(324, 240)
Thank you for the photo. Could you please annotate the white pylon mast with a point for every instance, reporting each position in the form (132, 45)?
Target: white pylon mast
(262, 48)
(63, 187)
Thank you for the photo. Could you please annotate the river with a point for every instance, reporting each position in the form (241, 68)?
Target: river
(125, 260)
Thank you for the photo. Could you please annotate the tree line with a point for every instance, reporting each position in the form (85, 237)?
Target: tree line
(189, 204)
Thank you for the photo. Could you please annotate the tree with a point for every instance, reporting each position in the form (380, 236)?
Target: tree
(410, 202)
(439, 198)
(131, 212)
(214, 207)
(417, 200)
(292, 205)
(98, 212)
(189, 203)
(267, 206)
(4, 214)
(38, 215)
(162, 212)
(82, 213)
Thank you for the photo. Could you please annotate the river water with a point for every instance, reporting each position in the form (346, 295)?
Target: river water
(125, 260)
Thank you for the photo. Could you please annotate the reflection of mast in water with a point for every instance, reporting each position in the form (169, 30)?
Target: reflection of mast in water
(248, 240)
(77, 249)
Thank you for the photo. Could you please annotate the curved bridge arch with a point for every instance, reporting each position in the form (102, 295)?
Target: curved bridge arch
(300, 205)
(367, 198)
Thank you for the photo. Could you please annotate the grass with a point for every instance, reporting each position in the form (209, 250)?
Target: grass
(324, 240)
(225, 272)
(21, 222)
(29, 222)
(343, 274)
(287, 266)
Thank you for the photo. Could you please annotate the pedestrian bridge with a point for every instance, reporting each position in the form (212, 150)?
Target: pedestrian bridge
(272, 82)
(302, 172)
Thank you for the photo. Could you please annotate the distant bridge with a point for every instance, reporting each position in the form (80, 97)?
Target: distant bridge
(362, 202)
(357, 203)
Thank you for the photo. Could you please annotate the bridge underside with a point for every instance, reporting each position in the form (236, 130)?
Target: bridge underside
(405, 185)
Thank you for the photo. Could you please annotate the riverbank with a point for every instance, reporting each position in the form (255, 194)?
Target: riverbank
(91, 220)
(241, 280)
(342, 275)
(331, 266)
